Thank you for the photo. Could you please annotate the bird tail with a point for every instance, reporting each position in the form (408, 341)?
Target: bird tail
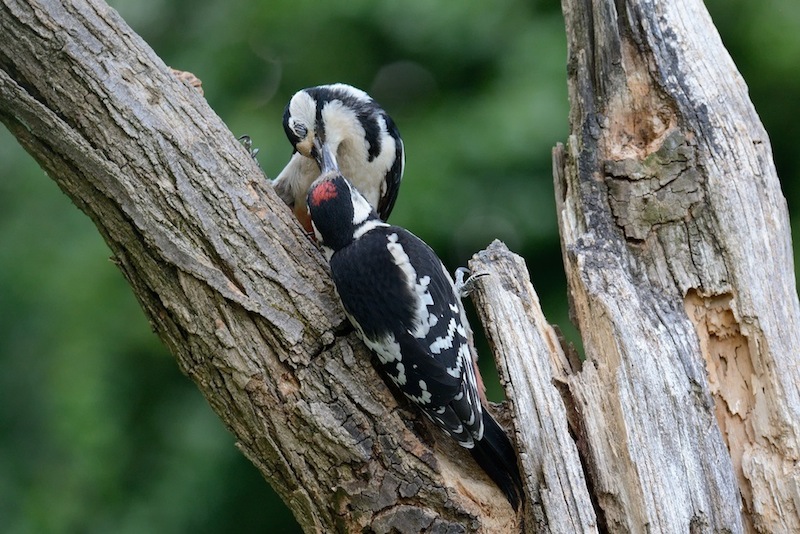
(495, 454)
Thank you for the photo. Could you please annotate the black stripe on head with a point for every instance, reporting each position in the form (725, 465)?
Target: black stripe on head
(395, 174)
(372, 129)
(320, 126)
(293, 138)
(367, 112)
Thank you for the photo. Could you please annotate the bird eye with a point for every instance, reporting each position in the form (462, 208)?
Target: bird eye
(298, 128)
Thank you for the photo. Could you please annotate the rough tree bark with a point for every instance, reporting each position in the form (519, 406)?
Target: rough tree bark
(677, 249)
(239, 294)
(668, 207)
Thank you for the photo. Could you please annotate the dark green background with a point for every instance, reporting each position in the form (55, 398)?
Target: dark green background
(99, 432)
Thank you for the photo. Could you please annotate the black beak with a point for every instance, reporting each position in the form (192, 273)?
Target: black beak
(325, 158)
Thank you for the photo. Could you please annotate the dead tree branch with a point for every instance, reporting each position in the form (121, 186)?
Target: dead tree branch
(677, 248)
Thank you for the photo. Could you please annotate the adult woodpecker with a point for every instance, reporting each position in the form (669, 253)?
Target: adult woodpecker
(359, 137)
(406, 308)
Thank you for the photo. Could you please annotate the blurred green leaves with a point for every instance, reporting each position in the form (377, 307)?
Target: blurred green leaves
(99, 432)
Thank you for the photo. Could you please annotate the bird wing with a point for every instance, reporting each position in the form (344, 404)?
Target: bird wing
(426, 352)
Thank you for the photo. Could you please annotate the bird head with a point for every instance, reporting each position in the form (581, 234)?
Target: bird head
(342, 126)
(338, 211)
(328, 116)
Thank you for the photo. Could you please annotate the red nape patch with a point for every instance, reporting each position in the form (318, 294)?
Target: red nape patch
(323, 192)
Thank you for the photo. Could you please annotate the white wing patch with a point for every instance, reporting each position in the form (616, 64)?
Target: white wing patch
(423, 320)
(400, 380)
(387, 349)
(446, 342)
(424, 396)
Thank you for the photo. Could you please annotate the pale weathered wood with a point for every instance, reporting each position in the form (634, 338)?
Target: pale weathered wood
(529, 351)
(677, 249)
(229, 281)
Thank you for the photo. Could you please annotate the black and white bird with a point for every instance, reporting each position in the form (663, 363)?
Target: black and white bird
(406, 308)
(359, 137)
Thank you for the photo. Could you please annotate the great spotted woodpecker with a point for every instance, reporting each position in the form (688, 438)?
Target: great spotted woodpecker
(406, 308)
(358, 136)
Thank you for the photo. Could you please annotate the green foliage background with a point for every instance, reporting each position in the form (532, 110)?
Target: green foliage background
(99, 432)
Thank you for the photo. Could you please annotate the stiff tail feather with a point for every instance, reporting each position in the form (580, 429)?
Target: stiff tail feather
(495, 454)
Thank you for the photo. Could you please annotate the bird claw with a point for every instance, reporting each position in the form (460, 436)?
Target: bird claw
(465, 283)
(247, 143)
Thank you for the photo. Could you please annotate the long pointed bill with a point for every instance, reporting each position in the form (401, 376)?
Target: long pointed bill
(325, 158)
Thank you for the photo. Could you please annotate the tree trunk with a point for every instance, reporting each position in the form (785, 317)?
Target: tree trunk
(668, 207)
(677, 249)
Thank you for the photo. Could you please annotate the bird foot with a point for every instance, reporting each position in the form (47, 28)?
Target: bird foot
(247, 143)
(465, 283)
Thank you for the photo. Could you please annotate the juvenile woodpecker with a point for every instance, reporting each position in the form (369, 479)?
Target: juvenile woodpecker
(361, 140)
(405, 307)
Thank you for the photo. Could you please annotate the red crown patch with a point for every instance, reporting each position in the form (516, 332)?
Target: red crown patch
(323, 192)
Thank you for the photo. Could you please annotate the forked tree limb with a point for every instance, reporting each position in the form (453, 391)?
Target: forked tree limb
(229, 281)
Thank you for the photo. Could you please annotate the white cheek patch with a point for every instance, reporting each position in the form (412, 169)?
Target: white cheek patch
(347, 140)
(361, 208)
(316, 232)
(327, 252)
(303, 109)
(299, 128)
(341, 123)
(402, 156)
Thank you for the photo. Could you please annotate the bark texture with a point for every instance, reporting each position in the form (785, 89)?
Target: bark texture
(531, 357)
(677, 249)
